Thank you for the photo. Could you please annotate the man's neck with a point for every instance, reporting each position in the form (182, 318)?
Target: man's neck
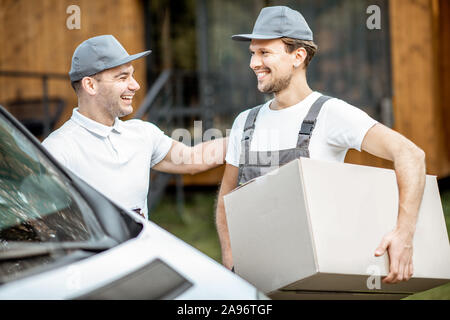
(95, 114)
(297, 91)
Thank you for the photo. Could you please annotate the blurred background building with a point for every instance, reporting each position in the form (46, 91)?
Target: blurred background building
(399, 74)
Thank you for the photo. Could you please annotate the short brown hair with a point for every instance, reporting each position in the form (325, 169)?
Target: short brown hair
(293, 44)
(76, 85)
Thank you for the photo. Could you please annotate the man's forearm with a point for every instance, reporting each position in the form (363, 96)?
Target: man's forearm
(182, 159)
(229, 182)
(222, 230)
(208, 155)
(409, 164)
(410, 172)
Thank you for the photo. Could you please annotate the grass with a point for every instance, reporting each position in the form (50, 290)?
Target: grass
(196, 226)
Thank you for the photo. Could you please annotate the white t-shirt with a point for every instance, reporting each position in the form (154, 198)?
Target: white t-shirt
(340, 126)
(114, 160)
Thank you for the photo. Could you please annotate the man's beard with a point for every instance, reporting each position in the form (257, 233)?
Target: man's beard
(112, 106)
(115, 110)
(277, 85)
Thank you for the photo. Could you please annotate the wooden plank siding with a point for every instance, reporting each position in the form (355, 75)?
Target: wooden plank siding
(416, 86)
(34, 37)
(418, 81)
(444, 68)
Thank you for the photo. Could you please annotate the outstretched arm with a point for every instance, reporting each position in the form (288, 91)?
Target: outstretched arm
(409, 165)
(229, 182)
(182, 159)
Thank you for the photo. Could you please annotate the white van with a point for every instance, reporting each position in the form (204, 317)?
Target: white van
(61, 239)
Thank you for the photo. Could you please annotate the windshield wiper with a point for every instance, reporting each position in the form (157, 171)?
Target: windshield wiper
(13, 250)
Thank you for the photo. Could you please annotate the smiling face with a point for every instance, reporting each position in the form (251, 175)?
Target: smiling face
(273, 66)
(116, 89)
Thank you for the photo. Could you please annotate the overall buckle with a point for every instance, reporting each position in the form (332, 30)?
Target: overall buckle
(307, 127)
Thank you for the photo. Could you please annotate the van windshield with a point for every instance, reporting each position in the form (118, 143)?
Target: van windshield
(38, 204)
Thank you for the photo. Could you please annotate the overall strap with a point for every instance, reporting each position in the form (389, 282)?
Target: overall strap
(249, 128)
(251, 118)
(247, 136)
(308, 124)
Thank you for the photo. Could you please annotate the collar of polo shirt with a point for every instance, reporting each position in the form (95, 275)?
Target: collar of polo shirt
(94, 126)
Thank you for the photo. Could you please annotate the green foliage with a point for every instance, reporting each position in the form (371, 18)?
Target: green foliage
(195, 226)
(445, 197)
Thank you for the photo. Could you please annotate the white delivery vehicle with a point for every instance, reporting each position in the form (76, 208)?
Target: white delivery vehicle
(61, 239)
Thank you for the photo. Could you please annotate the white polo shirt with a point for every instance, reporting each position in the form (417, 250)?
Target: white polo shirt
(114, 160)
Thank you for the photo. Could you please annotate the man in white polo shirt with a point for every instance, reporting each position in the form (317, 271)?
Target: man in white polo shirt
(300, 122)
(115, 156)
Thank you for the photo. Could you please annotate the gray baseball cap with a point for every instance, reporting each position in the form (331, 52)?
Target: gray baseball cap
(277, 22)
(97, 54)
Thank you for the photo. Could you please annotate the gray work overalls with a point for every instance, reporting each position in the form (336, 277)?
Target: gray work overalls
(253, 164)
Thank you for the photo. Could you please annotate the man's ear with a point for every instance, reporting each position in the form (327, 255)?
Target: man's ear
(300, 56)
(90, 85)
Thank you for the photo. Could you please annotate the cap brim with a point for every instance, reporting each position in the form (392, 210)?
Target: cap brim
(249, 37)
(129, 59)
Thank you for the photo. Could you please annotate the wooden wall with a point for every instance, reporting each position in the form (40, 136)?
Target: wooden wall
(420, 79)
(34, 37)
(444, 68)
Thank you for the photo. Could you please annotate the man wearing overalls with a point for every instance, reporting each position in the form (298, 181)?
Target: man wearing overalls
(300, 122)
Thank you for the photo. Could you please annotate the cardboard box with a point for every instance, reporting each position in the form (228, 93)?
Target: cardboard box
(310, 229)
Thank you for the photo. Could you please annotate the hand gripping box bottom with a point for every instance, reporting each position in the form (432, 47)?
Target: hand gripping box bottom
(310, 229)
